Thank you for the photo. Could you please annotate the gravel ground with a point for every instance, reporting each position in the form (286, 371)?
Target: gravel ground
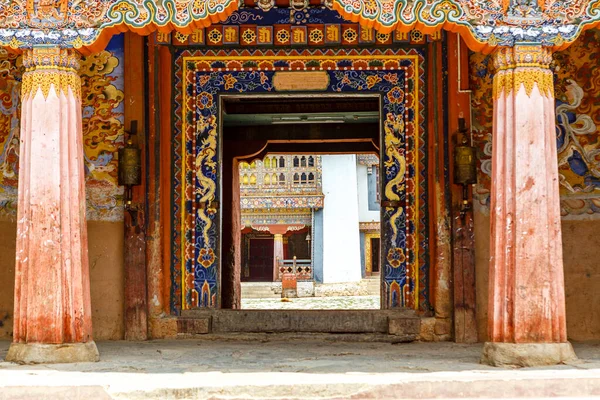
(314, 303)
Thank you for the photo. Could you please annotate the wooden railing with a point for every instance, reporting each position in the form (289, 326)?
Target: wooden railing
(302, 268)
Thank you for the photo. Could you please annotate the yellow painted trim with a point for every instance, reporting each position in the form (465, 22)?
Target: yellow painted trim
(183, 186)
(306, 57)
(369, 251)
(417, 183)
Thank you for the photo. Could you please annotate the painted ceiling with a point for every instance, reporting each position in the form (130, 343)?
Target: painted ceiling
(484, 24)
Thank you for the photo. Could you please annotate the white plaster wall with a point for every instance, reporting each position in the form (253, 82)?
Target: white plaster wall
(364, 214)
(341, 240)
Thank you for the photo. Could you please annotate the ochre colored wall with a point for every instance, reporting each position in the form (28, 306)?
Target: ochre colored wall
(8, 235)
(581, 252)
(106, 278)
(581, 255)
(482, 256)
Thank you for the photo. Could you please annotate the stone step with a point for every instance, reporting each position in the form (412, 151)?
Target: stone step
(373, 284)
(404, 324)
(258, 290)
(270, 337)
(271, 290)
(259, 294)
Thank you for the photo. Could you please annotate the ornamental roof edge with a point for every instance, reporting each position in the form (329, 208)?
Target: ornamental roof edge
(483, 25)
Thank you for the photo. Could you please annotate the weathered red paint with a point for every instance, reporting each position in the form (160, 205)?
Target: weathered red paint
(463, 238)
(527, 303)
(136, 322)
(231, 233)
(136, 307)
(158, 245)
(52, 291)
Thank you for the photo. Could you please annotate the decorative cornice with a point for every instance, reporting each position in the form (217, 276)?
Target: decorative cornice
(282, 202)
(523, 55)
(268, 218)
(367, 159)
(523, 66)
(484, 25)
(47, 67)
(51, 57)
(373, 226)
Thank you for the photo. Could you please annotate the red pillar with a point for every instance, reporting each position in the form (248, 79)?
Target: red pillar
(526, 324)
(52, 321)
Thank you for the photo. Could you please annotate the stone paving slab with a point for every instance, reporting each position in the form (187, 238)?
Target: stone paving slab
(197, 369)
(314, 303)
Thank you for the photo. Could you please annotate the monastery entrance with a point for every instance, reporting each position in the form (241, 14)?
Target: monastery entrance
(303, 103)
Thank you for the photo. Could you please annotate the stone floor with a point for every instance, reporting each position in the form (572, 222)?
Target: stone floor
(310, 369)
(314, 303)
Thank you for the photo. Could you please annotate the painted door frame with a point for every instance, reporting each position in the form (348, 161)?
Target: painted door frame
(366, 71)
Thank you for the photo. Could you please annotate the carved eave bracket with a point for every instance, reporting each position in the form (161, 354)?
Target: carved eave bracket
(483, 25)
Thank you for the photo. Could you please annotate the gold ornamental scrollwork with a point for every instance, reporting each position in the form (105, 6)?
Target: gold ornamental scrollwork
(47, 67)
(510, 81)
(523, 66)
(47, 13)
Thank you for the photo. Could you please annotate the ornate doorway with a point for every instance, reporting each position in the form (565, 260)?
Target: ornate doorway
(395, 76)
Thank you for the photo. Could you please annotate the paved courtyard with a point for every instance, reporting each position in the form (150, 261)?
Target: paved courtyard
(314, 303)
(294, 369)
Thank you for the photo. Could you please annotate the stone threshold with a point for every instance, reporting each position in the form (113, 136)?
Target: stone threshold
(403, 323)
(300, 337)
